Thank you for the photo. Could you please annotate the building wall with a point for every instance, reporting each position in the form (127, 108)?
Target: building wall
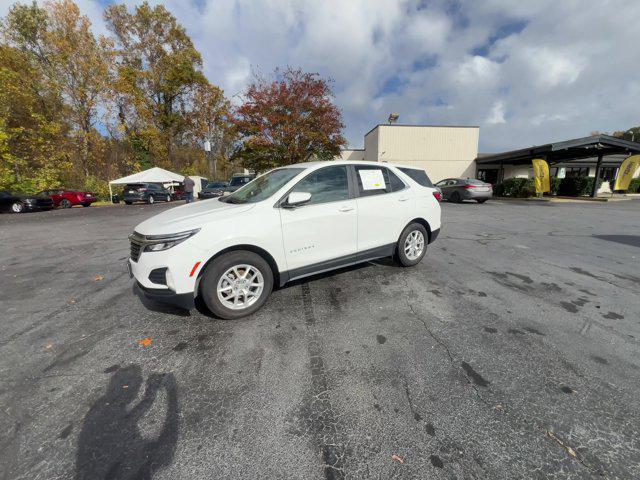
(351, 155)
(371, 146)
(442, 152)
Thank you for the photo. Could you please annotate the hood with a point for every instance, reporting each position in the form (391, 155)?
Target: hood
(190, 216)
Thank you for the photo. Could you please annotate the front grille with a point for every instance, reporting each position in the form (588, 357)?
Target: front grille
(158, 276)
(136, 247)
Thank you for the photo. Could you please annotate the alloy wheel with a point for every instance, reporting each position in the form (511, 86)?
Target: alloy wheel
(240, 287)
(17, 207)
(414, 245)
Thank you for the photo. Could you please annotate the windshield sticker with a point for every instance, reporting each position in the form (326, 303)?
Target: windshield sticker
(372, 179)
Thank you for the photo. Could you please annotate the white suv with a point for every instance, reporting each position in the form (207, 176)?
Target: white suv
(289, 223)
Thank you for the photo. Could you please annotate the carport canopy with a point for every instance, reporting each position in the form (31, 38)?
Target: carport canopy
(595, 149)
(152, 175)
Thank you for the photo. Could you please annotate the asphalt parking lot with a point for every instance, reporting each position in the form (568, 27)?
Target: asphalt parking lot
(511, 351)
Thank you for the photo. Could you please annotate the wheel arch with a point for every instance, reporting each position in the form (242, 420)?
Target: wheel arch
(248, 247)
(422, 222)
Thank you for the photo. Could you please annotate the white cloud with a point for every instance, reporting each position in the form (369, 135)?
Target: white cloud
(562, 68)
(496, 115)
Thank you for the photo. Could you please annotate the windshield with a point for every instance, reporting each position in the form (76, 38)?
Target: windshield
(263, 187)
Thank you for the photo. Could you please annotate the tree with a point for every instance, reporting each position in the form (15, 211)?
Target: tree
(157, 74)
(288, 120)
(79, 64)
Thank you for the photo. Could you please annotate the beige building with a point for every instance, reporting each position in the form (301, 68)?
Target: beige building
(442, 151)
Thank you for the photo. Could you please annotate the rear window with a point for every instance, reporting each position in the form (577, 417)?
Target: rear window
(419, 176)
(473, 181)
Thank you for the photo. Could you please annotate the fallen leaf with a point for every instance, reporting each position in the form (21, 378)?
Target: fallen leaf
(145, 342)
(48, 346)
(396, 458)
(97, 278)
(125, 386)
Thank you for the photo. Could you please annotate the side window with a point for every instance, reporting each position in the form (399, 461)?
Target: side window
(374, 180)
(419, 176)
(395, 183)
(328, 184)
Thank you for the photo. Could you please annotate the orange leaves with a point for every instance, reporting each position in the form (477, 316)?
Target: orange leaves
(145, 342)
(396, 458)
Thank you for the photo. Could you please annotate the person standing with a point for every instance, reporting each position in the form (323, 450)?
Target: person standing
(188, 189)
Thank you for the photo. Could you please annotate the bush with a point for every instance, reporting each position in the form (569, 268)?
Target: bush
(634, 186)
(555, 185)
(577, 186)
(515, 187)
(98, 187)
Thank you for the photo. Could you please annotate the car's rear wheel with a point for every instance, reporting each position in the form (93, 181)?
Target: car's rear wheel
(412, 245)
(151, 200)
(127, 203)
(168, 198)
(456, 198)
(236, 284)
(17, 207)
(86, 204)
(64, 203)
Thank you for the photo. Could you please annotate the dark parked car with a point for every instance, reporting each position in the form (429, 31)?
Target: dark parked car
(69, 198)
(19, 203)
(459, 189)
(145, 192)
(212, 190)
(238, 180)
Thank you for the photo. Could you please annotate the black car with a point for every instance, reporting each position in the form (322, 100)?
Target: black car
(145, 192)
(19, 203)
(212, 189)
(238, 180)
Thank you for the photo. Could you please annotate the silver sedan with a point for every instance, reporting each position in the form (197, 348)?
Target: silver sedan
(460, 189)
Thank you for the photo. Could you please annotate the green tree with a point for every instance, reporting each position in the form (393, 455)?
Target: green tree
(158, 71)
(288, 120)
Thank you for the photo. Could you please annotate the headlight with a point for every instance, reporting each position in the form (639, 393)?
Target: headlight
(158, 243)
(29, 200)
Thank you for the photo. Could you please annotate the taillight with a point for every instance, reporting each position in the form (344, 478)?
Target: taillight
(437, 195)
(469, 186)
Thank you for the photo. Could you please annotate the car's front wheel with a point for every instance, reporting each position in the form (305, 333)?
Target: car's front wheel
(151, 200)
(236, 284)
(167, 198)
(17, 207)
(127, 202)
(65, 203)
(412, 245)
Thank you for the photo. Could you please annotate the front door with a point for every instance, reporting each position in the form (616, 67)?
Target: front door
(321, 234)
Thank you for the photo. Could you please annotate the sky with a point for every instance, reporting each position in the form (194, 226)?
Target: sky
(526, 72)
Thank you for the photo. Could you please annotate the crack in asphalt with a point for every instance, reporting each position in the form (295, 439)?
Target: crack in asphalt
(522, 417)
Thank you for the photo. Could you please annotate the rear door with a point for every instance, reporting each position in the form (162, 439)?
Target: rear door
(384, 205)
(321, 234)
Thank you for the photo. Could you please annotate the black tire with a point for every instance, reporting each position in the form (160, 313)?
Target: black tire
(216, 269)
(86, 204)
(127, 202)
(17, 207)
(401, 255)
(151, 200)
(481, 200)
(456, 198)
(64, 203)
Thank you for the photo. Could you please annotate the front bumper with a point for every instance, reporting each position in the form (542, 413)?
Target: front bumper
(169, 297)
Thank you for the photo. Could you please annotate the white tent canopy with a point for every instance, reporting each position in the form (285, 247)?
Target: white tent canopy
(153, 175)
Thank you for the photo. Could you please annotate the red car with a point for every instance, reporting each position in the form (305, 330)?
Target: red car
(69, 198)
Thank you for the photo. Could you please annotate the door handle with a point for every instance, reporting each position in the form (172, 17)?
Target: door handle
(346, 208)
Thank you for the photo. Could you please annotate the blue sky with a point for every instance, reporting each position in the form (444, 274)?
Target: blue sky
(526, 72)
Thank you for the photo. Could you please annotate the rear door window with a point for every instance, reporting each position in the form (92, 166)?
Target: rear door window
(374, 180)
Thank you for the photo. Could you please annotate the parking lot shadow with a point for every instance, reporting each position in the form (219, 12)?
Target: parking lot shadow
(158, 307)
(633, 240)
(111, 445)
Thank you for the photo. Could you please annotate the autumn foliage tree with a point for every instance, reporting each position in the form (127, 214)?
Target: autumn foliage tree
(288, 120)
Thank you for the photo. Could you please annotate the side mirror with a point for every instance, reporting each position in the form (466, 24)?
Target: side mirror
(295, 199)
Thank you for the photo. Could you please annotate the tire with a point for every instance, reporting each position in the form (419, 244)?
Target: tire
(455, 197)
(128, 203)
(167, 198)
(404, 251)
(151, 200)
(481, 200)
(214, 276)
(17, 207)
(86, 204)
(64, 203)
